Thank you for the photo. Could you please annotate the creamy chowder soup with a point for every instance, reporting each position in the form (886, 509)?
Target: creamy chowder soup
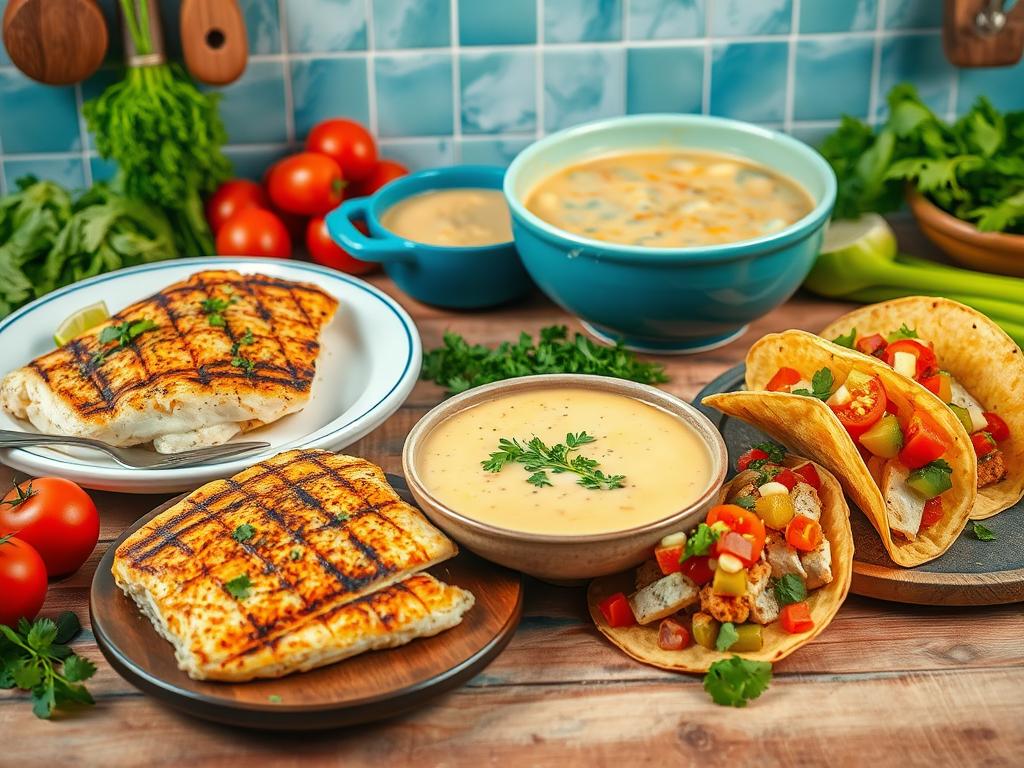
(665, 463)
(456, 217)
(669, 199)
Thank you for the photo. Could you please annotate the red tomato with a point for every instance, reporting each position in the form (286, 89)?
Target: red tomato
(254, 232)
(996, 427)
(783, 379)
(865, 406)
(668, 558)
(983, 443)
(386, 170)
(699, 569)
(347, 143)
(754, 454)
(788, 478)
(56, 517)
(672, 636)
(923, 441)
(796, 618)
(307, 184)
(741, 521)
(736, 545)
(232, 197)
(325, 251)
(926, 362)
(932, 512)
(871, 345)
(803, 533)
(616, 611)
(809, 475)
(22, 581)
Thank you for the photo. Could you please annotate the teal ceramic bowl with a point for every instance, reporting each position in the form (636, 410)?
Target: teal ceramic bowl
(470, 277)
(669, 299)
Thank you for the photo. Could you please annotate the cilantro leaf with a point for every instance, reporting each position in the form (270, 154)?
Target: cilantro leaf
(903, 333)
(68, 626)
(538, 459)
(846, 339)
(239, 586)
(295, 554)
(790, 589)
(699, 542)
(727, 636)
(733, 682)
(821, 385)
(981, 533)
(244, 532)
(776, 453)
(747, 502)
(78, 668)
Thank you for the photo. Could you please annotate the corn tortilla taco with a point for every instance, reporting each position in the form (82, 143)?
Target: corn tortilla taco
(903, 457)
(966, 361)
(673, 614)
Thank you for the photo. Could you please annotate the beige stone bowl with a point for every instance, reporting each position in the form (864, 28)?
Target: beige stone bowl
(564, 558)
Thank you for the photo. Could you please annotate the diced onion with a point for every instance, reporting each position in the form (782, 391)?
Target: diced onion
(729, 563)
(676, 539)
(905, 364)
(773, 489)
(978, 420)
(802, 384)
(841, 396)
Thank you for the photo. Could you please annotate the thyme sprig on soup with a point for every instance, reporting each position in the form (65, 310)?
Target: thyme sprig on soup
(669, 199)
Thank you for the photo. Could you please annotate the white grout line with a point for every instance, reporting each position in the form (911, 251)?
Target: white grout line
(790, 95)
(876, 64)
(539, 75)
(453, 26)
(371, 68)
(289, 98)
(83, 137)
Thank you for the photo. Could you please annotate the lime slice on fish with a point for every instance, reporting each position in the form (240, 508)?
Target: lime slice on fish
(80, 322)
(869, 235)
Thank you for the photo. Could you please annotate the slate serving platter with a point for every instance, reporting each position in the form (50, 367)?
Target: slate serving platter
(971, 572)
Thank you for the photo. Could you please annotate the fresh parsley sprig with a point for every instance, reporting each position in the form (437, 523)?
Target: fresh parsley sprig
(846, 339)
(699, 542)
(821, 385)
(239, 586)
(238, 360)
(214, 309)
(124, 334)
(36, 657)
(903, 332)
(733, 682)
(790, 589)
(539, 459)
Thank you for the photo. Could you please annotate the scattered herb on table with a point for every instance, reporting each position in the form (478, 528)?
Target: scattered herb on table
(699, 542)
(539, 459)
(735, 681)
(821, 385)
(790, 589)
(239, 586)
(122, 335)
(36, 657)
(458, 365)
(972, 168)
(981, 533)
(244, 532)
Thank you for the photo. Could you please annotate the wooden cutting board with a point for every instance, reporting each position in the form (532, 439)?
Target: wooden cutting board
(368, 687)
(971, 572)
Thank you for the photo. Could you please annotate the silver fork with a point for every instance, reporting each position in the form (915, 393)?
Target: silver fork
(133, 458)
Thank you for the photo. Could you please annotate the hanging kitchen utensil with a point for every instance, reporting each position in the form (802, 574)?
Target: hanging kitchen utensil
(213, 40)
(57, 42)
(983, 33)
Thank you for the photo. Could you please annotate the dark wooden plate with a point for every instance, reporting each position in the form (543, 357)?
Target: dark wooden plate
(970, 572)
(371, 686)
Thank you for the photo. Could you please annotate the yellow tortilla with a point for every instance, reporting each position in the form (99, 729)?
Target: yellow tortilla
(808, 426)
(979, 354)
(642, 642)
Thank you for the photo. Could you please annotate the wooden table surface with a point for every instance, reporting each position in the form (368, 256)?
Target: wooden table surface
(886, 684)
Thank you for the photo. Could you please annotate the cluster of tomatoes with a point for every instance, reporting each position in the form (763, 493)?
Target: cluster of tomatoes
(340, 161)
(48, 529)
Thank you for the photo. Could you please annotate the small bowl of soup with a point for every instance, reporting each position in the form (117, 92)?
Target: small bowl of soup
(564, 476)
(670, 233)
(443, 235)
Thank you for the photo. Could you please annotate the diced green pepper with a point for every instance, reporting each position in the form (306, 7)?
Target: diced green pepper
(705, 630)
(750, 638)
(730, 584)
(885, 438)
(964, 416)
(931, 480)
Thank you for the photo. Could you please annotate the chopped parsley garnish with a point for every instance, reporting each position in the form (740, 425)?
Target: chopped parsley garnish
(274, 698)
(295, 554)
(981, 533)
(903, 333)
(124, 334)
(214, 308)
(847, 339)
(765, 474)
(776, 454)
(733, 682)
(790, 589)
(538, 459)
(239, 360)
(727, 637)
(747, 502)
(699, 542)
(821, 385)
(247, 365)
(342, 517)
(239, 586)
(244, 532)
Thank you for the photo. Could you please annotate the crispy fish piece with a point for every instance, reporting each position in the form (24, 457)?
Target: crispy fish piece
(251, 576)
(228, 353)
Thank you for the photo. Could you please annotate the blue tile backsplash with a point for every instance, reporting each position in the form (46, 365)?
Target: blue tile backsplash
(442, 81)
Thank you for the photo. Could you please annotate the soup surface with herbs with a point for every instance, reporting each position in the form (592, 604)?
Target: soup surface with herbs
(459, 217)
(635, 464)
(669, 199)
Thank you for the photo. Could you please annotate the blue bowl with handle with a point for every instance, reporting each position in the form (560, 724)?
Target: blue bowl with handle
(456, 277)
(669, 300)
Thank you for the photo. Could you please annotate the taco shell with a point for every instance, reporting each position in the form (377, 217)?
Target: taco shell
(641, 642)
(807, 426)
(979, 354)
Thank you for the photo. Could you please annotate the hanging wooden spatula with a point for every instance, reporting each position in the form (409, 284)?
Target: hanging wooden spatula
(57, 42)
(213, 40)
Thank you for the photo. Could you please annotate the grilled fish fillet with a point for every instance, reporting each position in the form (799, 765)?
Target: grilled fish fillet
(278, 568)
(228, 353)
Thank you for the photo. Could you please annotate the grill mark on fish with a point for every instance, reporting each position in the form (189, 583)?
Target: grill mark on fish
(271, 320)
(87, 371)
(165, 304)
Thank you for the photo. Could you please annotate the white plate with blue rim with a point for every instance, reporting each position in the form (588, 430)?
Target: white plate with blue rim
(369, 362)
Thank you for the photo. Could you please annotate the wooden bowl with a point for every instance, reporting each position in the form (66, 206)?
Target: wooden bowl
(995, 252)
(564, 559)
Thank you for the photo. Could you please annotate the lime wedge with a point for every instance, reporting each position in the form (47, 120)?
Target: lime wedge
(869, 235)
(80, 322)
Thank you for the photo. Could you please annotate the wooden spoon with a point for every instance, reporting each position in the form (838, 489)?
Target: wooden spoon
(57, 42)
(213, 40)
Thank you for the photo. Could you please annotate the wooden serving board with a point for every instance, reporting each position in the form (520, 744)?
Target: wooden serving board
(371, 686)
(971, 572)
